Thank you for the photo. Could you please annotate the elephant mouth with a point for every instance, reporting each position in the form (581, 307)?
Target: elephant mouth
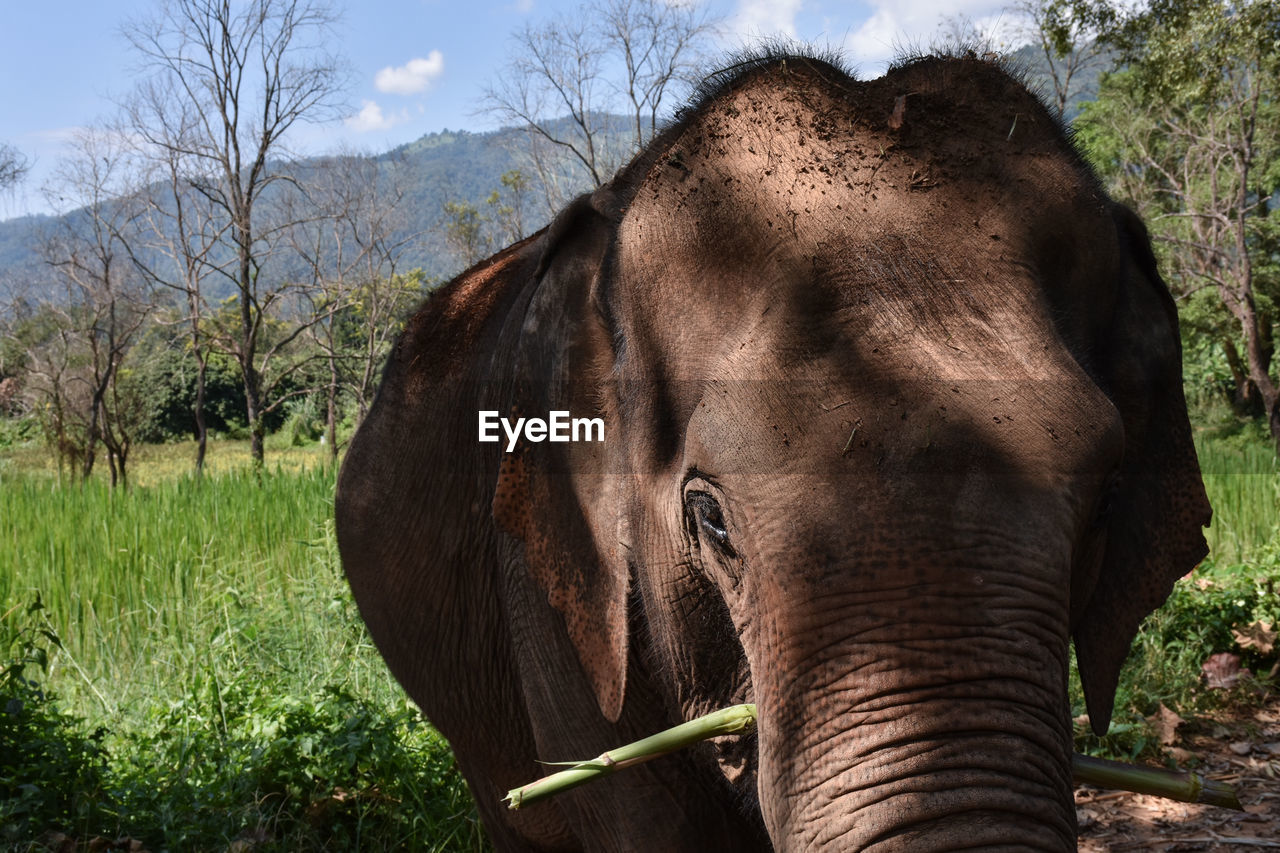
(738, 757)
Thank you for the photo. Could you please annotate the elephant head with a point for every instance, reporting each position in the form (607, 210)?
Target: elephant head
(892, 409)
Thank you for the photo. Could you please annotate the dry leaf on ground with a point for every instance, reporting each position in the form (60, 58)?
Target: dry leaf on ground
(1222, 671)
(1260, 636)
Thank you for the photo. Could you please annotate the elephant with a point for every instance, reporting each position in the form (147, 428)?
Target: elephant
(892, 414)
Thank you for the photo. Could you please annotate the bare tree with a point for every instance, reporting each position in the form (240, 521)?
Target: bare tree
(659, 45)
(1067, 34)
(180, 231)
(103, 308)
(589, 88)
(13, 166)
(549, 89)
(46, 343)
(248, 72)
(352, 247)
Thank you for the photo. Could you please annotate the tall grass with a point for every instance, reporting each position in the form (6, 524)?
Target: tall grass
(1242, 479)
(205, 623)
(137, 583)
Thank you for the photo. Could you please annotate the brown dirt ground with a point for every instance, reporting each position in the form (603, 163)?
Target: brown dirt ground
(1241, 747)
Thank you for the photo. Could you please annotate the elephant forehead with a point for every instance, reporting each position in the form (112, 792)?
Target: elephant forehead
(788, 174)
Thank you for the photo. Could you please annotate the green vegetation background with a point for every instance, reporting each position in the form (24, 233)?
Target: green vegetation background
(184, 666)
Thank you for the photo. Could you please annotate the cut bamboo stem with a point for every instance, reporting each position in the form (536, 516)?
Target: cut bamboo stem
(738, 719)
(1186, 787)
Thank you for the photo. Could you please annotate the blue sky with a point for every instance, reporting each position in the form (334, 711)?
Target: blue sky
(418, 66)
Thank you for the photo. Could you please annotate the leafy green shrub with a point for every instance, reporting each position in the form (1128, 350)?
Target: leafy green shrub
(210, 655)
(235, 762)
(303, 424)
(17, 431)
(52, 774)
(1164, 665)
(166, 376)
(225, 763)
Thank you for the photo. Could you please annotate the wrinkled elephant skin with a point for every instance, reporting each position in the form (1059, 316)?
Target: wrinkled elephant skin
(892, 409)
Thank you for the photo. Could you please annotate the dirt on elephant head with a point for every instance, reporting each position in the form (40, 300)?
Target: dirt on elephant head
(800, 138)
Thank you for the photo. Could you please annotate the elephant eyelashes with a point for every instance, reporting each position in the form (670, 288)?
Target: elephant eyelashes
(702, 512)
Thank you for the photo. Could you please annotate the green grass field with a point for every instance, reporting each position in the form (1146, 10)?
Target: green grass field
(226, 695)
(206, 626)
(1242, 478)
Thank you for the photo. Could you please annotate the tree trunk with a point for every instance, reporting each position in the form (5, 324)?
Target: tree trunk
(202, 368)
(249, 339)
(331, 415)
(116, 441)
(87, 460)
(1268, 339)
(1271, 408)
(202, 429)
(253, 409)
(1243, 396)
(122, 456)
(91, 436)
(1259, 361)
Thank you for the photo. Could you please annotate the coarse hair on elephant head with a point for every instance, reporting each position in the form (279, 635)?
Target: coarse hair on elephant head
(892, 409)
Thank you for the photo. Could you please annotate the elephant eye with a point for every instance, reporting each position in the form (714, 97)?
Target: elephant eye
(702, 513)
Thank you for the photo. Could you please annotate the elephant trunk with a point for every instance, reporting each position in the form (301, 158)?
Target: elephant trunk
(883, 736)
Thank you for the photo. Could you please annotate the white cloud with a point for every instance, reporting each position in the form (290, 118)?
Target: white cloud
(898, 25)
(764, 18)
(412, 77)
(371, 117)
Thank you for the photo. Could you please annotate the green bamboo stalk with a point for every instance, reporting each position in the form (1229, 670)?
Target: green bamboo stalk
(1184, 787)
(738, 719)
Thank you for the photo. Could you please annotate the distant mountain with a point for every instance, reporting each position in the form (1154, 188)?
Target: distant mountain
(20, 259)
(438, 168)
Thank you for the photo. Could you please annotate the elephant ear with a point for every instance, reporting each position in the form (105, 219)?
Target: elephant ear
(546, 488)
(1153, 533)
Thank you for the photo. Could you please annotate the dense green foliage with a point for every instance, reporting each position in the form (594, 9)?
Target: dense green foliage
(201, 676)
(52, 768)
(1187, 131)
(164, 377)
